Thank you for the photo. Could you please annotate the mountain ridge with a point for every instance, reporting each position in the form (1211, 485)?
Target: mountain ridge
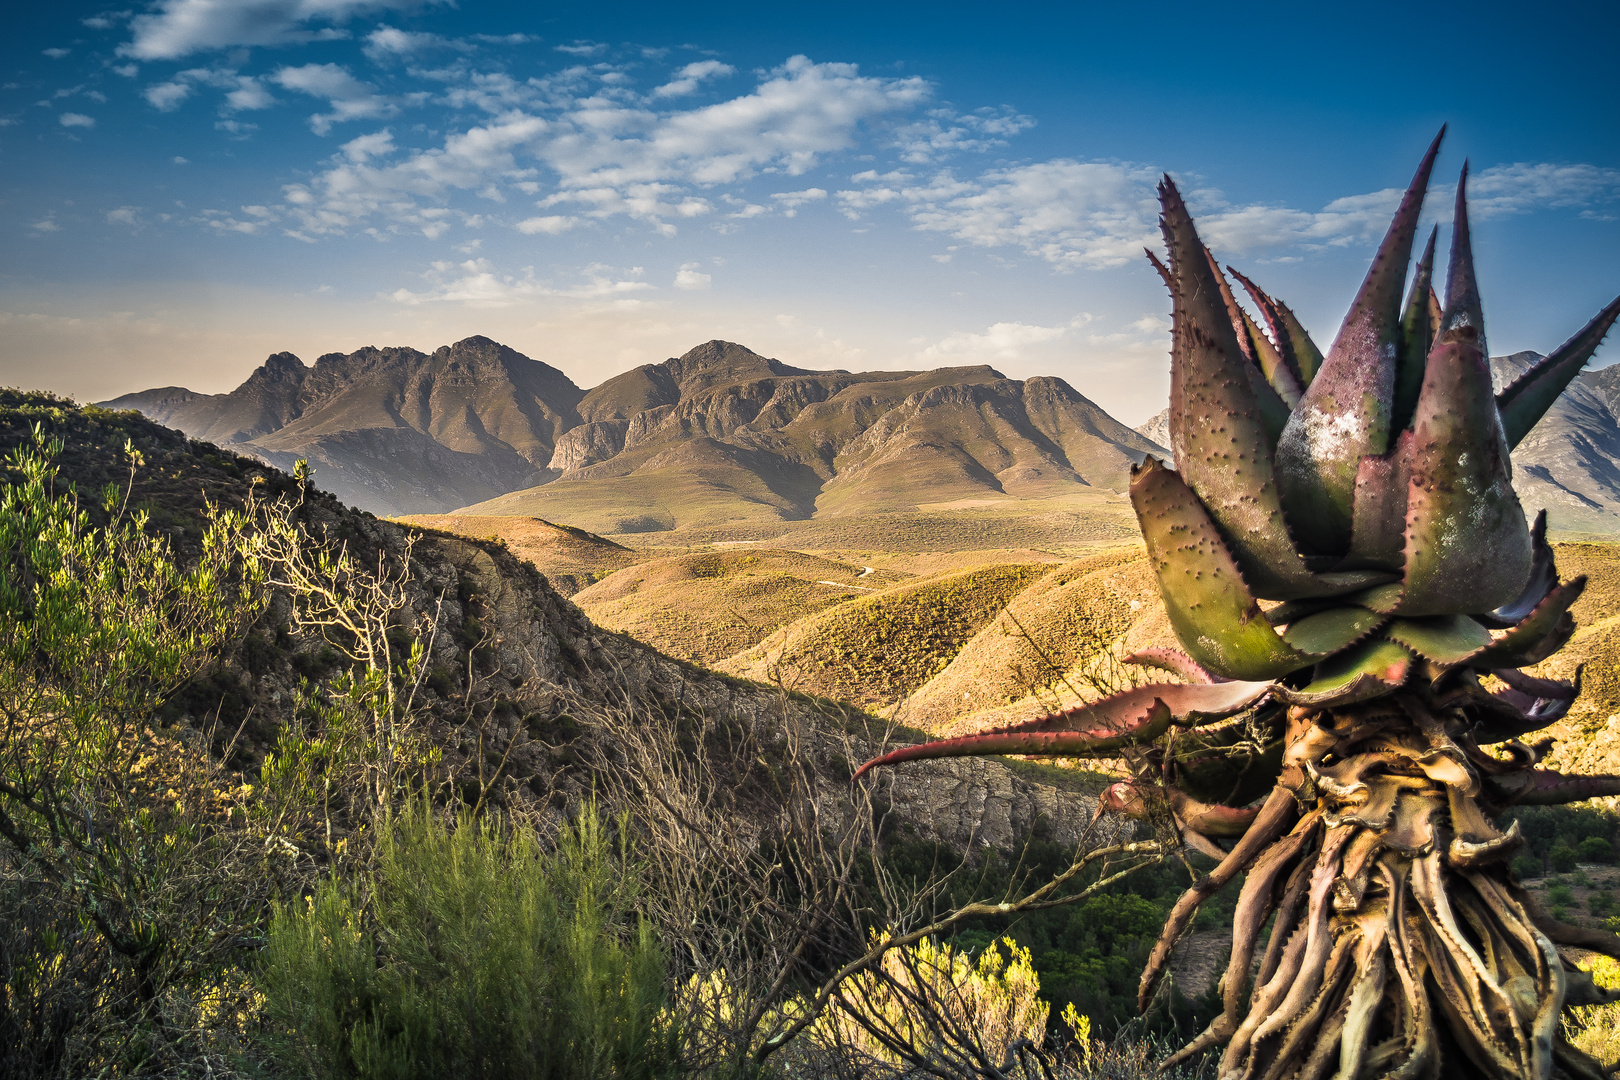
(719, 433)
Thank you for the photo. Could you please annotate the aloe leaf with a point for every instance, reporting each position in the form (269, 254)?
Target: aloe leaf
(1174, 661)
(1415, 338)
(1345, 414)
(1366, 671)
(1543, 579)
(1214, 614)
(1278, 372)
(1532, 394)
(1541, 633)
(1329, 631)
(1259, 352)
(1446, 639)
(1217, 428)
(1164, 271)
(1281, 335)
(1306, 354)
(1378, 528)
(1467, 544)
(1462, 319)
(1096, 730)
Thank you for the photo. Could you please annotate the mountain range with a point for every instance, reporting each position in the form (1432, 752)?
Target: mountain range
(719, 434)
(723, 435)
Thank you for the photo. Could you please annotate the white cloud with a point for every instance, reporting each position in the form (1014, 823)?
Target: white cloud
(1001, 341)
(349, 98)
(56, 54)
(582, 48)
(1520, 187)
(550, 225)
(690, 277)
(76, 120)
(128, 71)
(166, 97)
(46, 224)
(790, 201)
(124, 215)
(1072, 214)
(944, 131)
(610, 155)
(687, 79)
(249, 94)
(477, 283)
(181, 27)
(366, 147)
(391, 43)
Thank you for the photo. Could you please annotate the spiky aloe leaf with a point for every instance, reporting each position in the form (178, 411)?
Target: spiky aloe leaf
(1533, 393)
(1446, 639)
(1467, 543)
(1217, 426)
(1329, 631)
(1212, 610)
(1541, 633)
(1256, 348)
(1096, 730)
(1365, 671)
(1462, 318)
(1416, 338)
(1174, 661)
(1345, 414)
(1307, 357)
(1282, 340)
(1543, 579)
(1378, 531)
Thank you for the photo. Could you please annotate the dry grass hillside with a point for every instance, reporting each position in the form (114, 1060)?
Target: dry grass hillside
(876, 650)
(706, 606)
(572, 559)
(952, 631)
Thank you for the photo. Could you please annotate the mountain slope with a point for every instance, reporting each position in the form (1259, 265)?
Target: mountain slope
(1569, 464)
(391, 430)
(722, 434)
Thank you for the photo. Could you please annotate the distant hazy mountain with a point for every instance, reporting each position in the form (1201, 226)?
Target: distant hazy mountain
(392, 431)
(719, 434)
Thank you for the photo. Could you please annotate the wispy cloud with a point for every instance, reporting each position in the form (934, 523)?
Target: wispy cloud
(349, 98)
(690, 276)
(178, 28)
(477, 283)
(687, 79)
(76, 120)
(1000, 341)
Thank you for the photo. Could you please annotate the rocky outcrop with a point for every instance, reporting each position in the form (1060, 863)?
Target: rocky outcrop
(588, 444)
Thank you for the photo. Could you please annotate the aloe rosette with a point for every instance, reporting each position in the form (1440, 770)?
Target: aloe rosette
(1356, 590)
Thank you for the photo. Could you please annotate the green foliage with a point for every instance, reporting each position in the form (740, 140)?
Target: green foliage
(470, 951)
(114, 838)
(1563, 857)
(1595, 849)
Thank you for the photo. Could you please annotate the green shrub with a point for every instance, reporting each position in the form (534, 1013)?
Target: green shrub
(471, 952)
(1561, 894)
(1563, 857)
(1526, 866)
(1595, 849)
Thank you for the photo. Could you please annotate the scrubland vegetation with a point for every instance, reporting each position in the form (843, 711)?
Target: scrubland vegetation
(367, 890)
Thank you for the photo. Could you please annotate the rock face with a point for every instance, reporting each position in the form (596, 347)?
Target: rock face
(717, 434)
(723, 434)
(390, 430)
(1569, 464)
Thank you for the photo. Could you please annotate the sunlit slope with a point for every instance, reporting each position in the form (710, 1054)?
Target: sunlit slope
(876, 650)
(705, 607)
(570, 558)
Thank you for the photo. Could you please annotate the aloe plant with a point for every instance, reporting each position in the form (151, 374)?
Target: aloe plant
(1356, 590)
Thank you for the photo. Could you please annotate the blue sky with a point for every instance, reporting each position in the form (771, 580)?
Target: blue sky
(188, 185)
